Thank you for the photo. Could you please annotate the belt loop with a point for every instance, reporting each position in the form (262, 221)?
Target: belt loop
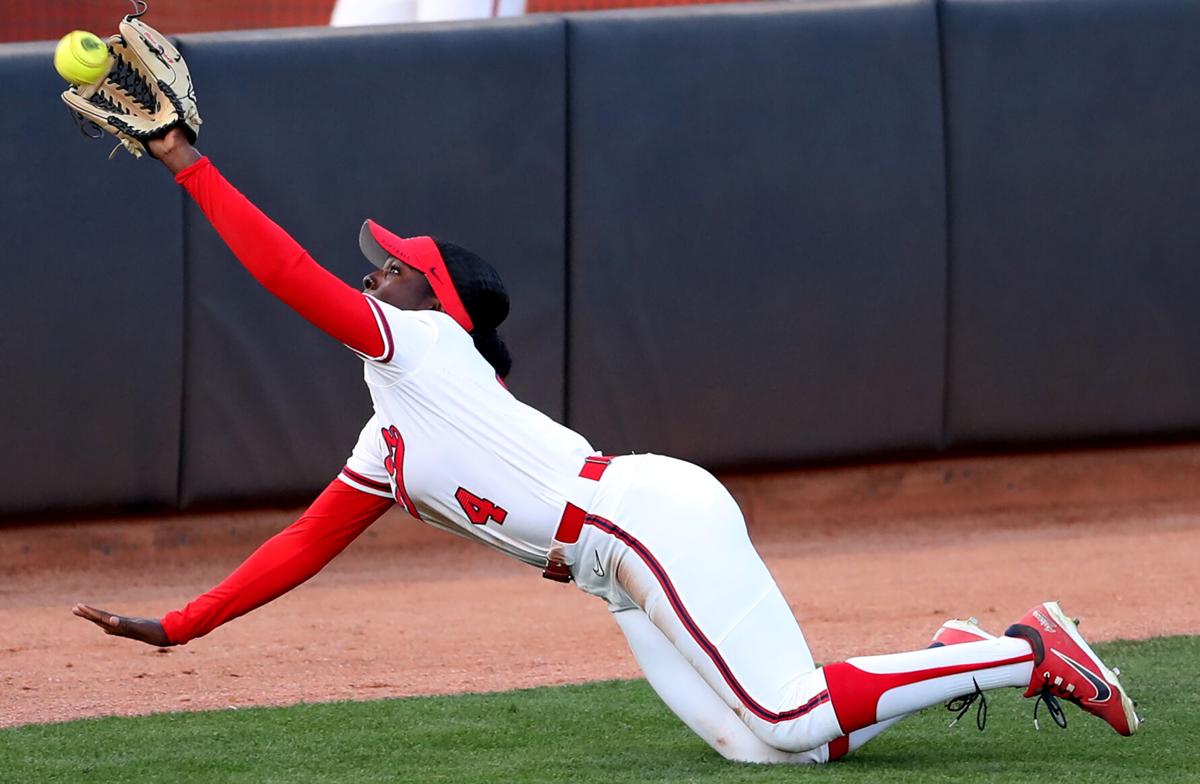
(569, 527)
(571, 524)
(595, 466)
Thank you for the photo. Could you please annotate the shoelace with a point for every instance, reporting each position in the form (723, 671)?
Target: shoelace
(1052, 705)
(963, 704)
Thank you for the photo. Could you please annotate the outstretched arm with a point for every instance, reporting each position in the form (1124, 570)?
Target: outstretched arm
(269, 253)
(283, 562)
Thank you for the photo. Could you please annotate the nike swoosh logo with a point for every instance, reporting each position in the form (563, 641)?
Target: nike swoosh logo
(1103, 692)
(598, 569)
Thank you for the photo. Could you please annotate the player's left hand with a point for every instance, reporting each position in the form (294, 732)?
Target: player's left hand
(147, 630)
(147, 90)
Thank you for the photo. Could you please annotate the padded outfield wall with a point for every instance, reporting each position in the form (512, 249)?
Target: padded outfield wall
(741, 235)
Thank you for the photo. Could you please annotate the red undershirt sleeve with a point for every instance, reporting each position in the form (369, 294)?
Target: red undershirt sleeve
(279, 263)
(338, 515)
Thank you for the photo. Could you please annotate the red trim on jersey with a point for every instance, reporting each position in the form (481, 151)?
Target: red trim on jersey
(365, 482)
(709, 648)
(839, 747)
(338, 515)
(279, 263)
(856, 692)
(422, 254)
(385, 329)
(394, 465)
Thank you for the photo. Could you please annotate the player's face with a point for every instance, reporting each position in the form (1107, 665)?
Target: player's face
(401, 286)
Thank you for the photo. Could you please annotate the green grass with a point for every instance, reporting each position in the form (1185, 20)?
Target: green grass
(611, 732)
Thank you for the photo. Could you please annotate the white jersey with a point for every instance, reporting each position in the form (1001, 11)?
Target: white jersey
(453, 446)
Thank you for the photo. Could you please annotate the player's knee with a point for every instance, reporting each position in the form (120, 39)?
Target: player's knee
(792, 740)
(758, 752)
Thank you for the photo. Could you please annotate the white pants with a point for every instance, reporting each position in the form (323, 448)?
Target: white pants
(666, 546)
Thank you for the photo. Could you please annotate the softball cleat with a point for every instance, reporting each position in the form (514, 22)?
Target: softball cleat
(955, 631)
(1065, 667)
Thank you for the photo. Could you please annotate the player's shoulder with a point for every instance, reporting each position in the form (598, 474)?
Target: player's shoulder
(434, 320)
(410, 337)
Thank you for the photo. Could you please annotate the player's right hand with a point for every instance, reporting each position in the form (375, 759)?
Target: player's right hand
(147, 630)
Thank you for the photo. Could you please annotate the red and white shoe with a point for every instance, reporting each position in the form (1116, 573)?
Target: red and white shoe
(955, 631)
(1065, 666)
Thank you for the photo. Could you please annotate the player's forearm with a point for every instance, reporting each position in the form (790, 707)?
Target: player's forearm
(279, 263)
(283, 562)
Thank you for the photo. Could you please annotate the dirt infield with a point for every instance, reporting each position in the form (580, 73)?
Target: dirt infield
(871, 558)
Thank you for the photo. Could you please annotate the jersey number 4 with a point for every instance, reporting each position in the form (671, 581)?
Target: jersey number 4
(479, 510)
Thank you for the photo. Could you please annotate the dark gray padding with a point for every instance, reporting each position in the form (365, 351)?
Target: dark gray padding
(450, 130)
(91, 296)
(757, 250)
(1075, 164)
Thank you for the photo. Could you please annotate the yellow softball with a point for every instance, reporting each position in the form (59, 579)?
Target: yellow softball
(81, 57)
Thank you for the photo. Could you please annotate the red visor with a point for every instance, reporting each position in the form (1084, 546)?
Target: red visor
(421, 253)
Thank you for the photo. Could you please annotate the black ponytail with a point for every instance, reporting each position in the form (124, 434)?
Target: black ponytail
(493, 349)
(483, 295)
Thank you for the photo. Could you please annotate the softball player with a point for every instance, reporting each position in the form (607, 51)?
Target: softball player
(659, 540)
